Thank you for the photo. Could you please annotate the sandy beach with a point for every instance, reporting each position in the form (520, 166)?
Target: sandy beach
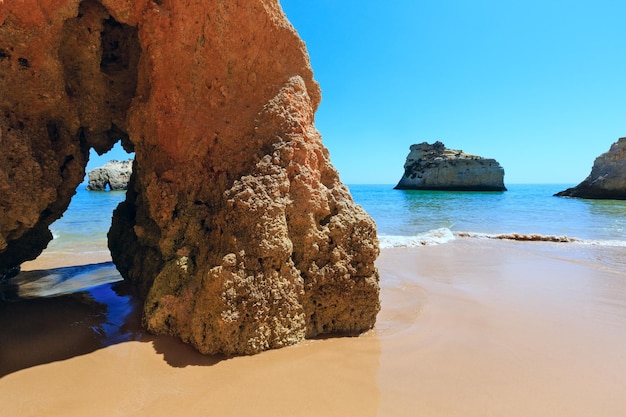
(469, 328)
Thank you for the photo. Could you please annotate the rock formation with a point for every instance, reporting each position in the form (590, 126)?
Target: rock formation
(608, 176)
(114, 174)
(434, 167)
(236, 229)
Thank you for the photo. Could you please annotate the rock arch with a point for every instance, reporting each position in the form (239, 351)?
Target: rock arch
(236, 229)
(58, 101)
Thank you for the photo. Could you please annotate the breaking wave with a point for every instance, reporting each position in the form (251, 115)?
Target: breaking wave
(429, 238)
(444, 235)
(533, 237)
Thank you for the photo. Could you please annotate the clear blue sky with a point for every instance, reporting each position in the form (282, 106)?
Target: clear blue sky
(539, 85)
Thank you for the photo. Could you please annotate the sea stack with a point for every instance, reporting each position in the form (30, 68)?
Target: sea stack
(236, 230)
(608, 176)
(114, 174)
(435, 167)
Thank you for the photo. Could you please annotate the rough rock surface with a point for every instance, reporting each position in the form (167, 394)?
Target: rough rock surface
(608, 176)
(114, 174)
(434, 167)
(236, 229)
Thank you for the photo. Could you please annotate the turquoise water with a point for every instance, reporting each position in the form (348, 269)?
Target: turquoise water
(86, 222)
(523, 209)
(428, 216)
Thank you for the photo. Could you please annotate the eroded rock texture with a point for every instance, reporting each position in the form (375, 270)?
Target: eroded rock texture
(114, 174)
(435, 167)
(607, 179)
(57, 99)
(236, 228)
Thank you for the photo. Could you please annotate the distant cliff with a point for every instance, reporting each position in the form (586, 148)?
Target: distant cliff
(608, 176)
(115, 174)
(434, 167)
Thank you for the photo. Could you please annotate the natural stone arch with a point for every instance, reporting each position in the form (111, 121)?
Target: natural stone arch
(58, 101)
(236, 229)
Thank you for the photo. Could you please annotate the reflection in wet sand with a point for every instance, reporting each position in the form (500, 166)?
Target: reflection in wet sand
(42, 330)
(58, 281)
(87, 350)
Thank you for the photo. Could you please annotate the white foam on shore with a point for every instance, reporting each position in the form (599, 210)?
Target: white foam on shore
(530, 237)
(444, 235)
(541, 238)
(429, 238)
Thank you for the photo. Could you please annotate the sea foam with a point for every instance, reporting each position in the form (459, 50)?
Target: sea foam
(429, 238)
(533, 237)
(444, 235)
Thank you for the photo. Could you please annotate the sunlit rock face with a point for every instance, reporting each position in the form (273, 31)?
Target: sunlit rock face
(236, 229)
(607, 179)
(435, 167)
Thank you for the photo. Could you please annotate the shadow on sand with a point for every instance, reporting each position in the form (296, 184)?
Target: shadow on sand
(57, 314)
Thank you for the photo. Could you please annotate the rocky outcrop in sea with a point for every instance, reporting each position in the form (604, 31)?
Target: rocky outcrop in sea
(435, 167)
(114, 174)
(236, 230)
(607, 179)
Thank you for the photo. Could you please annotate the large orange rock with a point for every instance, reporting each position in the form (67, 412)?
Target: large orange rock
(236, 228)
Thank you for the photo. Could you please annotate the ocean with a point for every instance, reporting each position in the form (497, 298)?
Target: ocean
(524, 212)
(411, 218)
(85, 224)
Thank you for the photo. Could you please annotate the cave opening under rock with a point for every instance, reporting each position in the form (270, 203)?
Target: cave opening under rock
(108, 76)
(98, 73)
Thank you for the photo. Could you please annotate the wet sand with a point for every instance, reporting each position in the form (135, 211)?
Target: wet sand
(469, 328)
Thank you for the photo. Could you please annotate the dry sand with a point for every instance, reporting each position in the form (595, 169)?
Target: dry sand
(469, 328)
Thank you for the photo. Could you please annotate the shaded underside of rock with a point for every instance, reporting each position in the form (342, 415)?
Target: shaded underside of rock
(434, 167)
(114, 174)
(236, 229)
(607, 179)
